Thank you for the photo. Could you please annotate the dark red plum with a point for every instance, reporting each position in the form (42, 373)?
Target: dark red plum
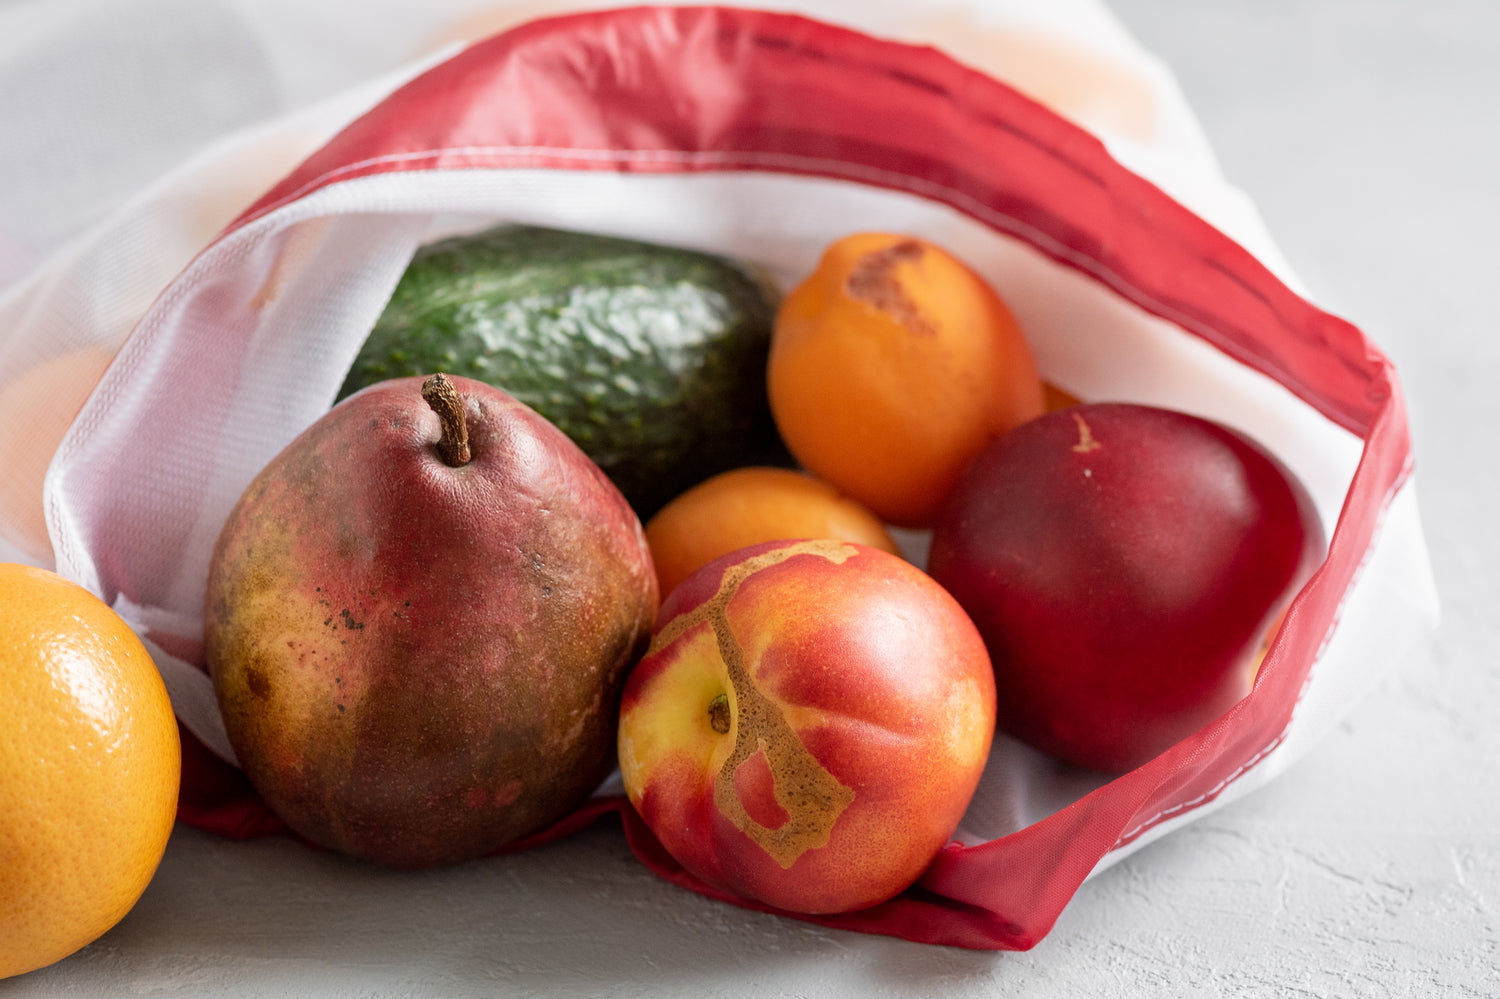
(1125, 565)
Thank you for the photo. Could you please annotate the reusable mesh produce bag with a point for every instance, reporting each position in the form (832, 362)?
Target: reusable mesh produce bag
(762, 136)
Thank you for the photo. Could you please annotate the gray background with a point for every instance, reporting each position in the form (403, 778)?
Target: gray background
(1365, 130)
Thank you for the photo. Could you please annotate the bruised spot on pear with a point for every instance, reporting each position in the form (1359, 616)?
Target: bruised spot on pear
(810, 796)
(257, 683)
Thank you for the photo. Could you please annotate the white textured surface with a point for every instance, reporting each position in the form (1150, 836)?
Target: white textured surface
(1365, 132)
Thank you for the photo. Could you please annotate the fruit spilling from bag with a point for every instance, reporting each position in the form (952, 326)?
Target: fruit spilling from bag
(423, 613)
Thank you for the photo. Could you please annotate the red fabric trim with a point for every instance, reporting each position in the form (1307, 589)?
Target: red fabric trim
(701, 89)
(216, 796)
(679, 89)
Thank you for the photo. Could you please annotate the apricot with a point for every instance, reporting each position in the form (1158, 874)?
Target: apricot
(748, 506)
(891, 366)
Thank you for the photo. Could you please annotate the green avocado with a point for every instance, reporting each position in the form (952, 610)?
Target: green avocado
(651, 358)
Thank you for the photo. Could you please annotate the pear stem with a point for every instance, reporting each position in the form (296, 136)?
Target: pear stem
(453, 445)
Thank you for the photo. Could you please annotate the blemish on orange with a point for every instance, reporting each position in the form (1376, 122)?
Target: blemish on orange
(873, 281)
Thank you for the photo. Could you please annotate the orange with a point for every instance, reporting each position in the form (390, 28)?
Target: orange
(90, 764)
(1058, 398)
(891, 366)
(746, 506)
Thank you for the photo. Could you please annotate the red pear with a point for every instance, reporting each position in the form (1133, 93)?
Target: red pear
(419, 620)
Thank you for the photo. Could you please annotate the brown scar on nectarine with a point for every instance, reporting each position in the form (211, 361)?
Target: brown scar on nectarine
(812, 798)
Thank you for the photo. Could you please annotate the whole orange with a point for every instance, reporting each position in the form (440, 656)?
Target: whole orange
(891, 366)
(90, 764)
(746, 506)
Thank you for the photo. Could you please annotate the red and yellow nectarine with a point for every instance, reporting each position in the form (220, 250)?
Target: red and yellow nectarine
(809, 724)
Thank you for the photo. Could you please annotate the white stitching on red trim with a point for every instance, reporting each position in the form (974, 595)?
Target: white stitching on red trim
(1209, 794)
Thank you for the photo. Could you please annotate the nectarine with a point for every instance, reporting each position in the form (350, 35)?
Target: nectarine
(809, 724)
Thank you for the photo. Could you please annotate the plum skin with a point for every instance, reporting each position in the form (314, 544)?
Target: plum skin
(1124, 564)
